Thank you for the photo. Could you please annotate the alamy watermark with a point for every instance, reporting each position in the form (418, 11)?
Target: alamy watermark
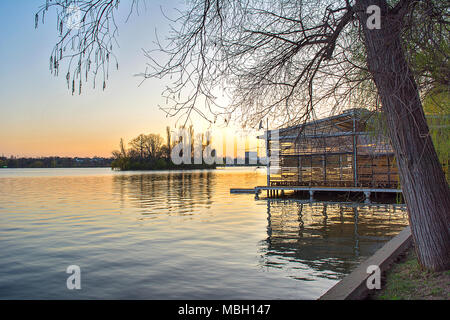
(199, 149)
(73, 17)
(374, 280)
(374, 19)
(74, 280)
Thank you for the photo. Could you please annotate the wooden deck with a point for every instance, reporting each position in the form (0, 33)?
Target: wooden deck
(331, 189)
(237, 190)
(280, 190)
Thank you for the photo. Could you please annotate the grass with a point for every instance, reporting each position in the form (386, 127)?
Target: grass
(407, 280)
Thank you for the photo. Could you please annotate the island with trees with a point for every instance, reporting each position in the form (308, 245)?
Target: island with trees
(148, 152)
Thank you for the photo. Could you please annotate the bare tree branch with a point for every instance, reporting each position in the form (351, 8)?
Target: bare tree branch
(88, 45)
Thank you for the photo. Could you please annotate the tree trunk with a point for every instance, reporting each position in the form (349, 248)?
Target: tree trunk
(424, 185)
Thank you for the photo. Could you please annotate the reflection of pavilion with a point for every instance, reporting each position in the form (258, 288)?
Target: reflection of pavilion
(327, 238)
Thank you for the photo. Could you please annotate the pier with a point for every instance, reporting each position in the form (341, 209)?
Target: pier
(278, 191)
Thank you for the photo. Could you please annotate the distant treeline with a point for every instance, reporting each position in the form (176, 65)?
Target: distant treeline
(148, 152)
(54, 162)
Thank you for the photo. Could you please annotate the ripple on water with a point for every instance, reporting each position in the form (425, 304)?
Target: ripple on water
(175, 235)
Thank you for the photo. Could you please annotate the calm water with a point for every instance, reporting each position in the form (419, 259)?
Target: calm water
(178, 235)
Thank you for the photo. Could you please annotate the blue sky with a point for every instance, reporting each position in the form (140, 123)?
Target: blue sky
(40, 117)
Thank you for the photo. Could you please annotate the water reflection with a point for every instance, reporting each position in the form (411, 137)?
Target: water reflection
(308, 240)
(330, 239)
(176, 235)
(174, 192)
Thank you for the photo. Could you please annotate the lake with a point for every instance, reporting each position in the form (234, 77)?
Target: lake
(176, 235)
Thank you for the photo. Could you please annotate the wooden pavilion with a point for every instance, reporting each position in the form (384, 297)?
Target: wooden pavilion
(337, 152)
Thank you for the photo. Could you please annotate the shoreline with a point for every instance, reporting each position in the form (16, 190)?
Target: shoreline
(354, 286)
(407, 280)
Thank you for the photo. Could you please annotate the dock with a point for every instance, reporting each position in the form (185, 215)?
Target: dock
(235, 190)
(280, 190)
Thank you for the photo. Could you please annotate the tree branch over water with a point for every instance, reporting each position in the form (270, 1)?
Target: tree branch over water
(254, 59)
(87, 34)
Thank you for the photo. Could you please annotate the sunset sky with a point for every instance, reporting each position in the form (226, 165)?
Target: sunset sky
(39, 115)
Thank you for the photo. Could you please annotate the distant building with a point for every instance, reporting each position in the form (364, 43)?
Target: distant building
(251, 157)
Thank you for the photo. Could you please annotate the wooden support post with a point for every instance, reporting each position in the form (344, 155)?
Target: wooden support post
(372, 183)
(367, 196)
(355, 153)
(300, 177)
(389, 170)
(268, 152)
